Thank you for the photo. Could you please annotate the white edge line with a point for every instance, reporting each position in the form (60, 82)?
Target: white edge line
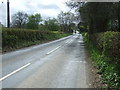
(53, 50)
(15, 71)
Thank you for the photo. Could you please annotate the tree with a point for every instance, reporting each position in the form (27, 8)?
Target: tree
(65, 19)
(19, 20)
(98, 16)
(33, 21)
(52, 25)
(119, 16)
(104, 16)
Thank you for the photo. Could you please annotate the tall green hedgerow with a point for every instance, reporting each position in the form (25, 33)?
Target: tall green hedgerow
(104, 62)
(108, 43)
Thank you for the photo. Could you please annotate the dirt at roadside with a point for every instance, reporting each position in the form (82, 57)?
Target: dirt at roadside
(93, 78)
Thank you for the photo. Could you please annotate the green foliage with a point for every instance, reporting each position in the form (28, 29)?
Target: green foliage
(85, 36)
(9, 40)
(108, 70)
(52, 25)
(20, 38)
(82, 28)
(108, 43)
(99, 16)
(107, 38)
(33, 21)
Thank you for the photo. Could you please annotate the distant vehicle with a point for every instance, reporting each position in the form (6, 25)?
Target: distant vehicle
(75, 32)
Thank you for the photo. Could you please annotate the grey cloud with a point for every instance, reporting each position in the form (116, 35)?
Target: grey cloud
(97, 0)
(51, 6)
(31, 8)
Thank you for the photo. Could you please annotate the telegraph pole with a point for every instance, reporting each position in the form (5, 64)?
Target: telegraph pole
(8, 14)
(119, 16)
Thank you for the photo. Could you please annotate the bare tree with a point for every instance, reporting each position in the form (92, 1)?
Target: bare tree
(66, 19)
(19, 20)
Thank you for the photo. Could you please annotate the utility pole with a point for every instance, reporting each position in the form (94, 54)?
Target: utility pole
(8, 14)
(119, 16)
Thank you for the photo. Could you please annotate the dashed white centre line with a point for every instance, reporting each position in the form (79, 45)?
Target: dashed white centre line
(53, 50)
(15, 71)
(69, 41)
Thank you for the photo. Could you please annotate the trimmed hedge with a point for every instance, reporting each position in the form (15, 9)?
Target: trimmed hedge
(21, 38)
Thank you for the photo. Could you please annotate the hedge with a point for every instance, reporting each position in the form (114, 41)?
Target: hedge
(108, 43)
(21, 38)
(104, 49)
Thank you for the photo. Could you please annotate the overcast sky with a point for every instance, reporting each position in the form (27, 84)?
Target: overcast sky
(47, 8)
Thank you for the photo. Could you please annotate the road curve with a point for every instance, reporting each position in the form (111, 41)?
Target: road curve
(57, 64)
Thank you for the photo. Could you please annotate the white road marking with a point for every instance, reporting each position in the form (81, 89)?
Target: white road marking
(15, 71)
(80, 41)
(69, 41)
(53, 50)
(79, 61)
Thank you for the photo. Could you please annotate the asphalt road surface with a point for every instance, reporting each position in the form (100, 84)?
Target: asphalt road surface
(57, 64)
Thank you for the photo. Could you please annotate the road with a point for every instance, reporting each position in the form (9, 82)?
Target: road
(57, 64)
